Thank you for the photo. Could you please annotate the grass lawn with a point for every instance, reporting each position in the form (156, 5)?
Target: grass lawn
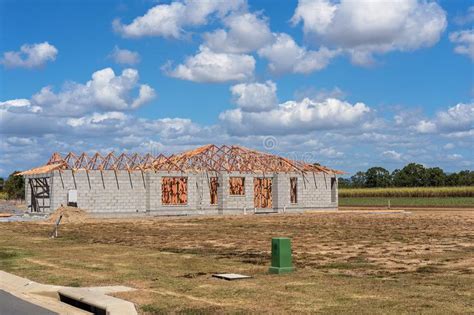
(408, 201)
(346, 262)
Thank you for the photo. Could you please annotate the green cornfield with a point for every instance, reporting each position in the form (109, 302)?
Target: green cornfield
(466, 191)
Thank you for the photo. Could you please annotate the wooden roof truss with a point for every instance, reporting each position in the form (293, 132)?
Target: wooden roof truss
(208, 158)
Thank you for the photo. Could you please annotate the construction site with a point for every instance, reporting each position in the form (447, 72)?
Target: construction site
(108, 233)
(393, 262)
(208, 180)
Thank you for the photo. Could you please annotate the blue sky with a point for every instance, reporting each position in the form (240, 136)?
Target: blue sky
(347, 84)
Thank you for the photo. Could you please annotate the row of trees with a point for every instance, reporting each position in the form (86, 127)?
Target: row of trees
(412, 175)
(14, 186)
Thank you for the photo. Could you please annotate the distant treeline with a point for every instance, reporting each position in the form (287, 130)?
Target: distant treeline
(412, 175)
(13, 187)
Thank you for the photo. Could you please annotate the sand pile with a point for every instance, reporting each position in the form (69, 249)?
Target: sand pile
(70, 215)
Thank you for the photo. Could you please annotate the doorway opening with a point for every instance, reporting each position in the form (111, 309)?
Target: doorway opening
(262, 192)
(40, 194)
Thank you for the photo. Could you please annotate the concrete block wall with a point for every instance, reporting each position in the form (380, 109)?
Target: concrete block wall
(236, 203)
(313, 192)
(121, 192)
(62, 183)
(204, 194)
(199, 199)
(154, 193)
(101, 192)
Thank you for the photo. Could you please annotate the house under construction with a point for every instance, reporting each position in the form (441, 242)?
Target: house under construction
(208, 180)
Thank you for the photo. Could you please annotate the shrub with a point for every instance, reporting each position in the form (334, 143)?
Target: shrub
(15, 186)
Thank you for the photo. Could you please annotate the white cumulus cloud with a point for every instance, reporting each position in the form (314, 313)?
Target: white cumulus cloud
(425, 126)
(145, 95)
(169, 20)
(366, 27)
(209, 66)
(105, 90)
(247, 32)
(316, 15)
(20, 105)
(96, 118)
(454, 157)
(21, 141)
(255, 97)
(296, 117)
(464, 41)
(167, 127)
(284, 55)
(19, 102)
(456, 119)
(125, 56)
(330, 153)
(392, 155)
(30, 56)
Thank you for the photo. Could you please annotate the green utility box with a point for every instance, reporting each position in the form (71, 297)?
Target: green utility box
(281, 255)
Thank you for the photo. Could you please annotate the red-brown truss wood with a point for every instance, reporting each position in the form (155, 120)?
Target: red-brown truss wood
(208, 158)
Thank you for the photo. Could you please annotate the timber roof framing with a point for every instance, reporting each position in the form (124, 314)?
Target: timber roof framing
(208, 158)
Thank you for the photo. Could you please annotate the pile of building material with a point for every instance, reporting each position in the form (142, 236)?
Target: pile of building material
(69, 215)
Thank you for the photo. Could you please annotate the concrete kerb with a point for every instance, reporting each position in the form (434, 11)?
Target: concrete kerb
(94, 297)
(46, 296)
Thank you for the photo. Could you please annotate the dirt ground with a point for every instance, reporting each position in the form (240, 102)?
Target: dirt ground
(12, 206)
(420, 262)
(68, 215)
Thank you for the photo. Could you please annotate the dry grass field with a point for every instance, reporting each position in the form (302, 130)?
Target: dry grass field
(422, 262)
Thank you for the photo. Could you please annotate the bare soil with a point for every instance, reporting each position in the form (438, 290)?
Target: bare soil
(12, 206)
(363, 262)
(68, 215)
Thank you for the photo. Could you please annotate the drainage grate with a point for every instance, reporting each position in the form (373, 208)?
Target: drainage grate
(83, 306)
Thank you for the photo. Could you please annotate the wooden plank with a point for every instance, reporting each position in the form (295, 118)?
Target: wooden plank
(214, 184)
(293, 189)
(174, 190)
(237, 186)
(262, 192)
